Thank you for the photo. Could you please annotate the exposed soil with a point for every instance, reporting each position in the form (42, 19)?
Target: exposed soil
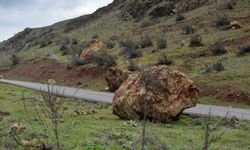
(194, 55)
(229, 94)
(237, 42)
(4, 114)
(188, 57)
(44, 69)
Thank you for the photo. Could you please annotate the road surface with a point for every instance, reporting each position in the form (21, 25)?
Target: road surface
(106, 97)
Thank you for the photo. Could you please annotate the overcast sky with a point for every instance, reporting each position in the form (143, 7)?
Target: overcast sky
(15, 15)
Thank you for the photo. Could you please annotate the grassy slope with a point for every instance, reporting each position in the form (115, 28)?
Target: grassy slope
(105, 129)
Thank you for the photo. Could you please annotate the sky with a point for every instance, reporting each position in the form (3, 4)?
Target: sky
(16, 15)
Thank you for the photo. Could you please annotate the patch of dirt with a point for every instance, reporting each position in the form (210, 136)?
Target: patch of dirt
(229, 94)
(237, 42)
(194, 55)
(189, 56)
(44, 69)
(244, 20)
(4, 114)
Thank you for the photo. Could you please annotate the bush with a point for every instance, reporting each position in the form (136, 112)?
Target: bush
(14, 60)
(135, 54)
(244, 50)
(161, 42)
(110, 44)
(179, 17)
(218, 49)
(164, 60)
(164, 10)
(218, 67)
(104, 60)
(95, 36)
(195, 41)
(132, 66)
(146, 41)
(222, 21)
(146, 23)
(72, 46)
(230, 5)
(188, 30)
(128, 44)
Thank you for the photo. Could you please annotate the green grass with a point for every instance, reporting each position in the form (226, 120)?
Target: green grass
(96, 125)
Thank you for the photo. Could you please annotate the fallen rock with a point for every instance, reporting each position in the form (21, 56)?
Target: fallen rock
(94, 46)
(235, 25)
(168, 93)
(115, 77)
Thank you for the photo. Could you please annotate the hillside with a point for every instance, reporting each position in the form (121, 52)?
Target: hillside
(121, 22)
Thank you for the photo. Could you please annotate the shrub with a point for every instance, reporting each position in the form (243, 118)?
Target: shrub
(222, 21)
(132, 66)
(229, 6)
(128, 44)
(146, 23)
(195, 41)
(104, 60)
(164, 10)
(244, 50)
(161, 42)
(146, 41)
(164, 60)
(179, 17)
(218, 66)
(44, 43)
(110, 44)
(95, 36)
(188, 30)
(218, 49)
(135, 54)
(14, 60)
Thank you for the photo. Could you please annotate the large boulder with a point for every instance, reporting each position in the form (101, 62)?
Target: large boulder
(166, 91)
(94, 46)
(115, 77)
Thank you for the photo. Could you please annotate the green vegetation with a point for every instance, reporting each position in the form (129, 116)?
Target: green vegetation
(85, 126)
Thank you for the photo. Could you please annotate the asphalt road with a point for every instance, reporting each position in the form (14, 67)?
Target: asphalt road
(106, 98)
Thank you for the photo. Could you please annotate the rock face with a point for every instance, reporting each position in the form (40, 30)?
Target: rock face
(167, 93)
(115, 77)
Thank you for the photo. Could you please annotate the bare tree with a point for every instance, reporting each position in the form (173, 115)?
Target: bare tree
(209, 128)
(148, 81)
(52, 102)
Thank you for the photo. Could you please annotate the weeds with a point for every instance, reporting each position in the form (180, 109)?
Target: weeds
(161, 42)
(188, 29)
(14, 60)
(218, 49)
(196, 41)
(146, 41)
(222, 21)
(164, 60)
(104, 60)
(244, 50)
